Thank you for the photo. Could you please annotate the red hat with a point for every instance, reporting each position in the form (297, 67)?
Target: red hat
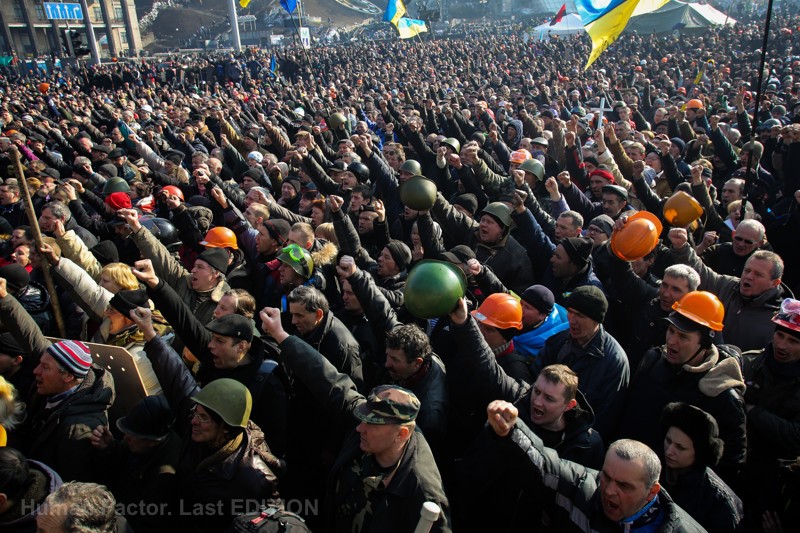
(682, 90)
(605, 174)
(118, 200)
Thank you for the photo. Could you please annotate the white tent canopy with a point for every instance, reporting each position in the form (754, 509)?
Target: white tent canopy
(569, 25)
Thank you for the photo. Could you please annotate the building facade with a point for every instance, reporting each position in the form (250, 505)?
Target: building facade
(26, 31)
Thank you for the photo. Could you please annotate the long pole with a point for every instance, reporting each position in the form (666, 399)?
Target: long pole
(87, 21)
(305, 52)
(37, 238)
(749, 179)
(234, 18)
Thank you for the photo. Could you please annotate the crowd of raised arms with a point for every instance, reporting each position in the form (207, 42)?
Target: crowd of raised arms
(463, 271)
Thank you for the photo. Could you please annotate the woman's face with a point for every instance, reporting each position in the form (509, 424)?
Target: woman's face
(678, 449)
(415, 235)
(22, 255)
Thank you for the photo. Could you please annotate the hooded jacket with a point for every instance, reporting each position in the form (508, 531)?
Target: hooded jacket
(36, 301)
(715, 385)
(43, 481)
(531, 343)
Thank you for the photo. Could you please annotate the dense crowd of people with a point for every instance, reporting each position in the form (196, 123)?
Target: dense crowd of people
(460, 271)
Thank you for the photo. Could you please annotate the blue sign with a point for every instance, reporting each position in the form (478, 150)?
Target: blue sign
(56, 11)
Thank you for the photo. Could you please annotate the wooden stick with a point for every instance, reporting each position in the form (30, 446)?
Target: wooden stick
(37, 237)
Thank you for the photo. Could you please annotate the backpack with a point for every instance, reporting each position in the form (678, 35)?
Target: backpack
(269, 520)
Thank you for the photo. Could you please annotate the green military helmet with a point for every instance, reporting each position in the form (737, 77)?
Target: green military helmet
(298, 259)
(115, 185)
(452, 143)
(412, 167)
(534, 166)
(229, 399)
(501, 212)
(418, 193)
(336, 120)
(433, 288)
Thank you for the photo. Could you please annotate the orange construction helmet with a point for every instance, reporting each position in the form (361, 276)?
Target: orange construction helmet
(220, 237)
(694, 103)
(520, 156)
(174, 191)
(44, 87)
(681, 209)
(500, 310)
(638, 237)
(703, 308)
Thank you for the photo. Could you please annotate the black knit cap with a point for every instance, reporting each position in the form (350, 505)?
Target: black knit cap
(127, 301)
(217, 258)
(539, 297)
(17, 278)
(579, 249)
(106, 252)
(590, 301)
(150, 419)
(401, 253)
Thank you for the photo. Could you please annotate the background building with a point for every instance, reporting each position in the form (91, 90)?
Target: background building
(26, 31)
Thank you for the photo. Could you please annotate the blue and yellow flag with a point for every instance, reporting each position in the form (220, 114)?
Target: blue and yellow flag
(273, 67)
(394, 11)
(604, 20)
(409, 28)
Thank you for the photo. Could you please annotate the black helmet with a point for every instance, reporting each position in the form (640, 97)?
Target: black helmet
(163, 230)
(360, 171)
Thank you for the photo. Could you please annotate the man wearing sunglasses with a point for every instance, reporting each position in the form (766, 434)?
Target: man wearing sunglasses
(729, 258)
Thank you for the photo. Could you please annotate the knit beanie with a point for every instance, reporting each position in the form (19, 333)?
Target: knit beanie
(590, 301)
(72, 356)
(105, 252)
(118, 200)
(603, 222)
(17, 278)
(579, 249)
(539, 297)
(217, 258)
(401, 253)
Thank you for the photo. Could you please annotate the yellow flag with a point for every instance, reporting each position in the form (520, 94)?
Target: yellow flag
(244, 3)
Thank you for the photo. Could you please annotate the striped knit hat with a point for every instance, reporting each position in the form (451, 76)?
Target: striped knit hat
(72, 356)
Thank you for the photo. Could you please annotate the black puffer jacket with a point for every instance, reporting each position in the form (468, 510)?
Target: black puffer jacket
(701, 493)
(572, 492)
(36, 301)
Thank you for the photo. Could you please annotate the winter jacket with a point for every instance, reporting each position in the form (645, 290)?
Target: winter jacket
(61, 436)
(35, 299)
(572, 492)
(416, 479)
(243, 468)
(21, 517)
(265, 382)
(169, 269)
(701, 493)
(507, 258)
(748, 322)
(773, 389)
(603, 373)
(715, 385)
(532, 342)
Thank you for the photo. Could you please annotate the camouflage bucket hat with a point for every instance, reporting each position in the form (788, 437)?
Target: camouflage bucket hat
(388, 404)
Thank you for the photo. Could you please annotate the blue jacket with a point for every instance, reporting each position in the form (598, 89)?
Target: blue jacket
(529, 344)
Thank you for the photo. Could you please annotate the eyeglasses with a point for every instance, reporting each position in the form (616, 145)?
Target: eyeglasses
(742, 239)
(204, 419)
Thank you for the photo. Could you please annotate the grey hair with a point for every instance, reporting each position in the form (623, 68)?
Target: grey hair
(59, 209)
(577, 218)
(89, 507)
(753, 224)
(633, 450)
(311, 298)
(684, 272)
(777, 263)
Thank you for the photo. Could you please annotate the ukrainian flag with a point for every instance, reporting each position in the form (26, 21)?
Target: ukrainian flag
(394, 11)
(604, 20)
(409, 28)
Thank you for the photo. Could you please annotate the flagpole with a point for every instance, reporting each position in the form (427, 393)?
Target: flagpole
(234, 18)
(305, 52)
(747, 177)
